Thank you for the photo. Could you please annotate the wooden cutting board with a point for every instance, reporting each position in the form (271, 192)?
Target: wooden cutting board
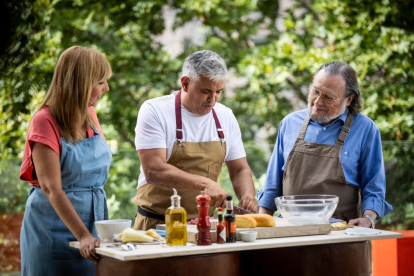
(282, 229)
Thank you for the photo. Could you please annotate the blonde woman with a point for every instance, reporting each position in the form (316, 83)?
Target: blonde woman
(66, 160)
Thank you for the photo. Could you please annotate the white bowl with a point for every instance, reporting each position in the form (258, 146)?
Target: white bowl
(307, 209)
(248, 236)
(108, 228)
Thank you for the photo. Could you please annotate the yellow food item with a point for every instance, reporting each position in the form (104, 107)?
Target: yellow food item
(154, 234)
(243, 221)
(131, 235)
(340, 225)
(263, 220)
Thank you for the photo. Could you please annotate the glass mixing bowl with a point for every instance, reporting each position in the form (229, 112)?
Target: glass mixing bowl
(307, 209)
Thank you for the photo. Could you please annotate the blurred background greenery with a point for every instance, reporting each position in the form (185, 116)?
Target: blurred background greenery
(272, 48)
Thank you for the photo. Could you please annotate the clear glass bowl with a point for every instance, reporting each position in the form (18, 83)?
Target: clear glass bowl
(307, 209)
(107, 229)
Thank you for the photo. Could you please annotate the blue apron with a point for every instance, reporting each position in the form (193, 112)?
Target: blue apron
(44, 240)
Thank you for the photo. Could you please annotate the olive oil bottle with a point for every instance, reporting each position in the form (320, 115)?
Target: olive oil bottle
(176, 223)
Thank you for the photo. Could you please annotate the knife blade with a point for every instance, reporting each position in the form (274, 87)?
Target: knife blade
(241, 211)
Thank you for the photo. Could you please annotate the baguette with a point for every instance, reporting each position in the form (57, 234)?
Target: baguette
(263, 220)
(243, 221)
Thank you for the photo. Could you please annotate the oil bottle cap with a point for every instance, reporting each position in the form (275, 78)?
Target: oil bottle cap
(175, 195)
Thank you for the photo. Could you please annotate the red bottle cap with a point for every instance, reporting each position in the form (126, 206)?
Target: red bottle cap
(203, 198)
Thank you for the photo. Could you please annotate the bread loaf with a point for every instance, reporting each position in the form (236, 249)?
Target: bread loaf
(243, 221)
(263, 220)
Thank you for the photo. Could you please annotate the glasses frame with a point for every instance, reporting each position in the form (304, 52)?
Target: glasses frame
(328, 101)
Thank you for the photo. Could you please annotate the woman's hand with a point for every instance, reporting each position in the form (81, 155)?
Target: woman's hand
(87, 248)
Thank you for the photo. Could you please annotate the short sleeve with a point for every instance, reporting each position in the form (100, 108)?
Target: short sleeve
(236, 150)
(42, 129)
(149, 131)
(94, 117)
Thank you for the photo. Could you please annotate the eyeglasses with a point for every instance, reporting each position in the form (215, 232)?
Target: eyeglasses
(327, 98)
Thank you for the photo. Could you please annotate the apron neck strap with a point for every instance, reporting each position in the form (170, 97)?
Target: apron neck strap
(345, 130)
(179, 122)
(95, 131)
(302, 131)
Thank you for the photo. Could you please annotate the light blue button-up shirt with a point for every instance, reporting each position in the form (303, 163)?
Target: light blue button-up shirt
(361, 158)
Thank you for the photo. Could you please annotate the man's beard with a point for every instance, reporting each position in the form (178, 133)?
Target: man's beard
(326, 119)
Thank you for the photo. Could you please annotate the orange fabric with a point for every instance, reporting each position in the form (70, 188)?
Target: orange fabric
(43, 129)
(384, 257)
(393, 257)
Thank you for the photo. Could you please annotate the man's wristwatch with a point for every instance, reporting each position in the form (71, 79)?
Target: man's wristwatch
(371, 220)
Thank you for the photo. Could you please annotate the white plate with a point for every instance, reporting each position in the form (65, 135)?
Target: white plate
(359, 231)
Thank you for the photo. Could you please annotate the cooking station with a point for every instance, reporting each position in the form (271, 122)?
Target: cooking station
(298, 250)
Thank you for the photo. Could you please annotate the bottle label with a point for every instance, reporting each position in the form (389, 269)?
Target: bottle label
(222, 234)
(232, 227)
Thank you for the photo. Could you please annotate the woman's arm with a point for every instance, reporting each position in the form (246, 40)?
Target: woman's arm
(47, 165)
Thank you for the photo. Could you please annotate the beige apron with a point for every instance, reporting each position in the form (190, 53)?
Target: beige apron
(202, 158)
(316, 169)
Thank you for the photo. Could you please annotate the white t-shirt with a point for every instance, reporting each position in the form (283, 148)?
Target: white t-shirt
(156, 128)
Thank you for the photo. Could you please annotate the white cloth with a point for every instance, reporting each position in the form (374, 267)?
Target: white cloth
(156, 128)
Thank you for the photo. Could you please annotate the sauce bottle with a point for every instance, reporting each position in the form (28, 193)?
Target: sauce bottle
(176, 223)
(220, 228)
(203, 224)
(230, 220)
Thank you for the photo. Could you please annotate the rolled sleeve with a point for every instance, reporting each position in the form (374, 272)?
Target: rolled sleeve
(380, 206)
(267, 199)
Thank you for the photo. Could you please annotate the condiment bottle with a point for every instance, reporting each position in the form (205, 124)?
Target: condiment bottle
(203, 224)
(220, 228)
(230, 220)
(176, 223)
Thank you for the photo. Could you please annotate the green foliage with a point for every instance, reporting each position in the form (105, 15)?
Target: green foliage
(14, 192)
(122, 184)
(398, 157)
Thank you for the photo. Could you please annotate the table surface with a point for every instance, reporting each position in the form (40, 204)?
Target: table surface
(163, 251)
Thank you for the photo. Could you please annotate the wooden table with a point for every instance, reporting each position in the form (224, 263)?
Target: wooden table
(335, 253)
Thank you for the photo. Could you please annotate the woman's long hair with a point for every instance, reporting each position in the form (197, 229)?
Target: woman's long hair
(77, 71)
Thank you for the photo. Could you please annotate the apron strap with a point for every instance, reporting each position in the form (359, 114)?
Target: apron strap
(345, 130)
(95, 131)
(302, 132)
(95, 200)
(179, 122)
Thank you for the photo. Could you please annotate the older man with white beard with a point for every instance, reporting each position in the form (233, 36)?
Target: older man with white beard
(330, 148)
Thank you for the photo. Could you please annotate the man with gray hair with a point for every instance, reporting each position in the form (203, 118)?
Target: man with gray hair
(182, 141)
(330, 148)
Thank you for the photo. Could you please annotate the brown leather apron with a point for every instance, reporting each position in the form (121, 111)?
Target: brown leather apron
(199, 158)
(316, 169)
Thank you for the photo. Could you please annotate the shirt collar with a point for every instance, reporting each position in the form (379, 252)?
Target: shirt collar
(342, 117)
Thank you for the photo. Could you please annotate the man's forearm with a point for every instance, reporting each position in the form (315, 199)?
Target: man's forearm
(243, 183)
(263, 210)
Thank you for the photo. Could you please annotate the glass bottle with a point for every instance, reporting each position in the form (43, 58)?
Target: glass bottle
(230, 220)
(176, 223)
(220, 228)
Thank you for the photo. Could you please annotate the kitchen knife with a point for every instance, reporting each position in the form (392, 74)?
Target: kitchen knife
(240, 211)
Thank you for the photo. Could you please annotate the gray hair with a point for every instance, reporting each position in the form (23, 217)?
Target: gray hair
(205, 63)
(335, 68)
